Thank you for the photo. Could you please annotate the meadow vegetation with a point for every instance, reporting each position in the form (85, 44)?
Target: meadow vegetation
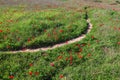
(96, 57)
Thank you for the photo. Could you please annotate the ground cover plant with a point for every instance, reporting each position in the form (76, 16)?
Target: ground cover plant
(96, 57)
(28, 29)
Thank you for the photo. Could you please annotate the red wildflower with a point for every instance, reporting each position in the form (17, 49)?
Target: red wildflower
(80, 49)
(36, 73)
(78, 45)
(30, 64)
(1, 30)
(92, 37)
(52, 64)
(61, 31)
(118, 28)
(70, 62)
(71, 58)
(11, 76)
(30, 73)
(61, 76)
(88, 44)
(97, 41)
(83, 44)
(79, 56)
(54, 33)
(67, 59)
(28, 39)
(59, 57)
(44, 30)
(89, 55)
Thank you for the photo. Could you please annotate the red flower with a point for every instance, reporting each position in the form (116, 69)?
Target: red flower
(67, 59)
(78, 45)
(92, 37)
(79, 56)
(118, 28)
(30, 73)
(59, 57)
(54, 33)
(30, 64)
(1, 30)
(71, 58)
(11, 76)
(28, 39)
(44, 30)
(36, 73)
(89, 55)
(61, 76)
(88, 44)
(97, 41)
(70, 62)
(52, 64)
(61, 31)
(80, 49)
(83, 44)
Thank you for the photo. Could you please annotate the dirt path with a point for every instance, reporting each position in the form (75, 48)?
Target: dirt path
(57, 45)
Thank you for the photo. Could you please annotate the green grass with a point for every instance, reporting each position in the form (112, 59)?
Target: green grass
(39, 29)
(96, 57)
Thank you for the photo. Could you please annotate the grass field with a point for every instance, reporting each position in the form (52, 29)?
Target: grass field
(96, 57)
(29, 29)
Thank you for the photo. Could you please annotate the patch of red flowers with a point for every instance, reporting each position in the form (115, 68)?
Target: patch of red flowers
(80, 50)
(52, 64)
(61, 76)
(30, 64)
(67, 59)
(1, 30)
(28, 39)
(59, 57)
(119, 43)
(89, 55)
(92, 37)
(61, 31)
(11, 76)
(79, 56)
(30, 73)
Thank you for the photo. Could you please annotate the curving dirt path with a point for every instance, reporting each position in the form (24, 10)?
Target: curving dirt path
(57, 45)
